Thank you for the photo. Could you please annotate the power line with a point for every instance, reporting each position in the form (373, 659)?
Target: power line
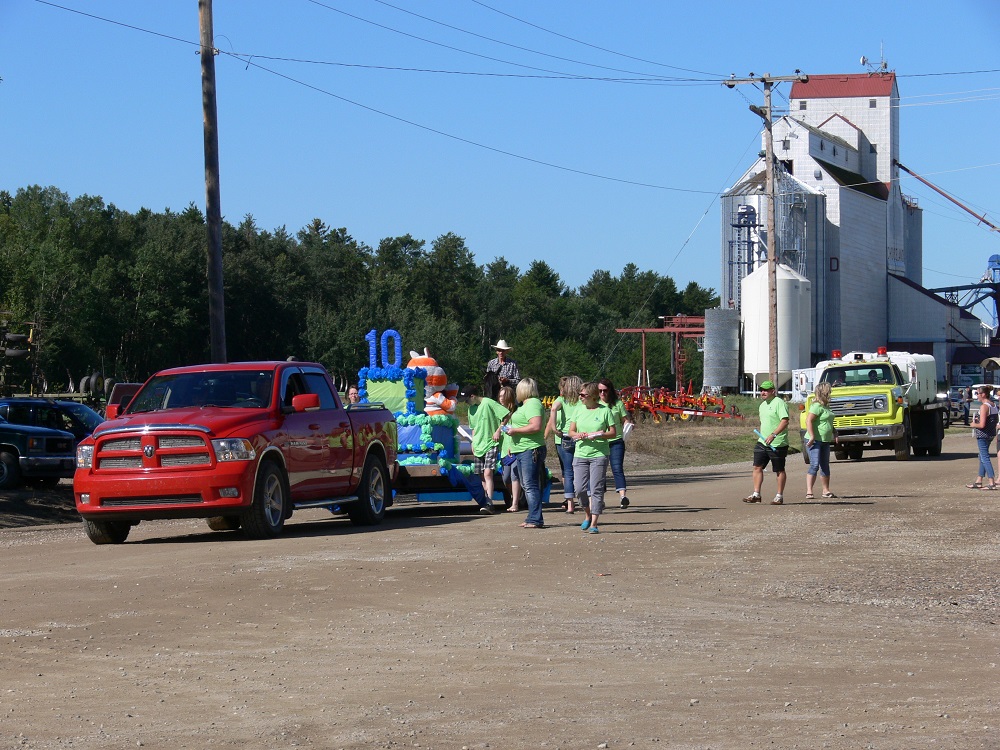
(588, 44)
(499, 41)
(460, 139)
(438, 44)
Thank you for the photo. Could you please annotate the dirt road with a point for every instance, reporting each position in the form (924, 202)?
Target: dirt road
(692, 621)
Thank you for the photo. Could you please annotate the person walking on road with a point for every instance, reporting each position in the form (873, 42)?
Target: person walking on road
(819, 437)
(772, 445)
(592, 426)
(984, 427)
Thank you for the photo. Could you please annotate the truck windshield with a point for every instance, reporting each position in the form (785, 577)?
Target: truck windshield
(864, 374)
(241, 389)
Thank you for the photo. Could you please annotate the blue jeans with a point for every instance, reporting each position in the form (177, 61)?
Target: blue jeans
(529, 464)
(819, 459)
(566, 461)
(618, 463)
(985, 462)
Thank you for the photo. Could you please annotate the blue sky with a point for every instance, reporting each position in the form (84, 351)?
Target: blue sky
(496, 149)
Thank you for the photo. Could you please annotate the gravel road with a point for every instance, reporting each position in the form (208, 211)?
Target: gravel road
(692, 621)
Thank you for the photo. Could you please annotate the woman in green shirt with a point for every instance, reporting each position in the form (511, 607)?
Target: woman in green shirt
(592, 427)
(527, 432)
(560, 416)
(609, 397)
(819, 437)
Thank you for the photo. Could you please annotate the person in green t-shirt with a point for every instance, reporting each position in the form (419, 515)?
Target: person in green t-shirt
(819, 437)
(592, 426)
(772, 445)
(485, 418)
(527, 432)
(610, 398)
(560, 415)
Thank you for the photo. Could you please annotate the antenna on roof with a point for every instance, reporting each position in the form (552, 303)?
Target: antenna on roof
(876, 69)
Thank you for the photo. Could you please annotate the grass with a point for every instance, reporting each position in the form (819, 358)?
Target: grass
(675, 444)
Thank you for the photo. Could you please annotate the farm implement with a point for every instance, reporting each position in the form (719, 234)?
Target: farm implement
(663, 403)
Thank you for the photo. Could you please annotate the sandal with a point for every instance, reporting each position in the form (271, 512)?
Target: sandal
(975, 486)
(828, 494)
(989, 487)
(810, 496)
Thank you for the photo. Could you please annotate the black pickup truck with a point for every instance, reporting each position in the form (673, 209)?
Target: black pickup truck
(35, 454)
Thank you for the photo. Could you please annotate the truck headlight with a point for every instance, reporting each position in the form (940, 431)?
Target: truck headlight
(84, 456)
(233, 449)
(879, 403)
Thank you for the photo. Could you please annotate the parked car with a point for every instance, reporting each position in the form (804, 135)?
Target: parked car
(70, 416)
(35, 454)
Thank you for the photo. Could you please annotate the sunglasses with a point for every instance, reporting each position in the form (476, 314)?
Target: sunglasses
(584, 394)
(602, 390)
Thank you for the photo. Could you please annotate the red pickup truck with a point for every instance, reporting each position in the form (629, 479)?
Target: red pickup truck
(240, 444)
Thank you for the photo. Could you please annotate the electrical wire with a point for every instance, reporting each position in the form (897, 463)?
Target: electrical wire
(592, 46)
(441, 44)
(460, 139)
(501, 42)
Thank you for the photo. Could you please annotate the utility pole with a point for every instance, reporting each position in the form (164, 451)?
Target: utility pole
(764, 113)
(213, 201)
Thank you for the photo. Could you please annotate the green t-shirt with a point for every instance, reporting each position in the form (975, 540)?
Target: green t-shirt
(564, 415)
(771, 413)
(484, 418)
(619, 414)
(823, 424)
(527, 441)
(598, 419)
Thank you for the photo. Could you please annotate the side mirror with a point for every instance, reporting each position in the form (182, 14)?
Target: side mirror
(305, 402)
(112, 411)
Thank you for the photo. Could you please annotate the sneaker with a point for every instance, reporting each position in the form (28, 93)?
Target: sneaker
(778, 500)
(585, 525)
(752, 498)
(487, 510)
(593, 530)
(624, 502)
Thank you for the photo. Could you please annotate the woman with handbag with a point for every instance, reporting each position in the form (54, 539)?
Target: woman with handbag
(560, 415)
(984, 427)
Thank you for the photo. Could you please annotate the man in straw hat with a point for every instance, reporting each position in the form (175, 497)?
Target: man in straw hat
(772, 443)
(503, 366)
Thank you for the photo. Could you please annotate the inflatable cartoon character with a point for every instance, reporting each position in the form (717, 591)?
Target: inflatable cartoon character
(436, 386)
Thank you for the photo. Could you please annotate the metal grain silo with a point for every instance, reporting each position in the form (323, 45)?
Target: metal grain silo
(794, 324)
(722, 348)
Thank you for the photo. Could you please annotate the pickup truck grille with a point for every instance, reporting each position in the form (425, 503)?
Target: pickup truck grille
(151, 450)
(848, 406)
(124, 502)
